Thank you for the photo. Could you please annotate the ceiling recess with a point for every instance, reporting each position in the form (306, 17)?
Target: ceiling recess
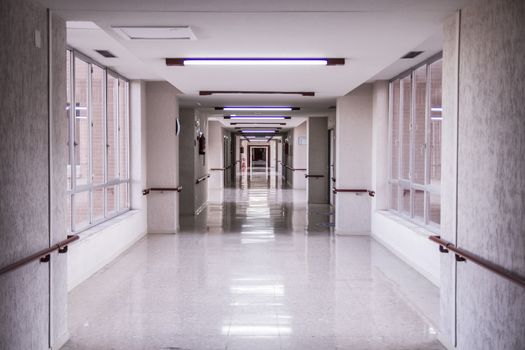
(156, 33)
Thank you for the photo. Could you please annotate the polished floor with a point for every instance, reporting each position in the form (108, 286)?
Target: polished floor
(258, 269)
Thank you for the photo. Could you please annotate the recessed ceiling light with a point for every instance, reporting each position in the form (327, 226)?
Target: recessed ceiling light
(254, 61)
(156, 33)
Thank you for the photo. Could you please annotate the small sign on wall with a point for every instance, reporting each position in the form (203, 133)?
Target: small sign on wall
(301, 140)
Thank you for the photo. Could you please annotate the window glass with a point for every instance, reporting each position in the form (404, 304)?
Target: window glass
(123, 196)
(415, 141)
(396, 96)
(112, 120)
(436, 118)
(394, 196)
(418, 166)
(98, 204)
(81, 143)
(123, 129)
(406, 86)
(419, 205)
(98, 129)
(434, 211)
(111, 200)
(68, 115)
(98, 143)
(405, 200)
(81, 210)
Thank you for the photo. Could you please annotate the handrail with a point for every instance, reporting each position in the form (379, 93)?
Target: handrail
(43, 255)
(225, 168)
(202, 178)
(314, 176)
(292, 169)
(464, 255)
(161, 189)
(370, 193)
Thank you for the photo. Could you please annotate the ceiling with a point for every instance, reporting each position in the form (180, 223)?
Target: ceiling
(371, 35)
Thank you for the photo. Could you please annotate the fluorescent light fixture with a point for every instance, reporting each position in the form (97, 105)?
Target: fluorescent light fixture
(254, 61)
(437, 109)
(261, 108)
(436, 118)
(258, 117)
(257, 131)
(155, 32)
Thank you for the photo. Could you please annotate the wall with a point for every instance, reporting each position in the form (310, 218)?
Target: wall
(490, 186)
(192, 164)
(111, 238)
(216, 154)
(33, 139)
(162, 156)
(353, 159)
(317, 160)
(299, 157)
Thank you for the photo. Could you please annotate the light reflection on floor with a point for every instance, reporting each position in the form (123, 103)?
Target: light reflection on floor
(255, 270)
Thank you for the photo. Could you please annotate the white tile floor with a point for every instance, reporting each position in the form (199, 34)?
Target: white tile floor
(255, 271)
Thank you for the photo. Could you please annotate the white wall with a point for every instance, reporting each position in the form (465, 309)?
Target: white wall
(299, 160)
(317, 187)
(162, 156)
(484, 75)
(353, 159)
(101, 244)
(216, 154)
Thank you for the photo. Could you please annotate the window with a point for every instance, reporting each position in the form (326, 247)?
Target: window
(98, 166)
(415, 144)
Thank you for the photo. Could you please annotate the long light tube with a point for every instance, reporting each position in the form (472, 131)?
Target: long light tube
(257, 131)
(255, 62)
(262, 117)
(257, 108)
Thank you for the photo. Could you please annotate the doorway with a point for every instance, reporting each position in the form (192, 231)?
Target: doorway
(259, 156)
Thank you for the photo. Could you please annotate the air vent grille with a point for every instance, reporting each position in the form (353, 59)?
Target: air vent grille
(106, 53)
(412, 54)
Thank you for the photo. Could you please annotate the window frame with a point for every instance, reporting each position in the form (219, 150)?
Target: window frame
(75, 189)
(400, 184)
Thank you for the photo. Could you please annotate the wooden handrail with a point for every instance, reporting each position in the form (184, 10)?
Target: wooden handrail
(42, 255)
(314, 176)
(222, 169)
(161, 189)
(465, 255)
(201, 179)
(354, 190)
(292, 169)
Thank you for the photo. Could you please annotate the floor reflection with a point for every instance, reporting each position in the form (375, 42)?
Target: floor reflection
(258, 269)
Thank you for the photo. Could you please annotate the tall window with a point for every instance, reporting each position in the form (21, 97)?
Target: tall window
(98, 166)
(415, 144)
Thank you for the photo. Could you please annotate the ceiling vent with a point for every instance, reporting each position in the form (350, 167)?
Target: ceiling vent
(156, 33)
(106, 53)
(412, 54)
